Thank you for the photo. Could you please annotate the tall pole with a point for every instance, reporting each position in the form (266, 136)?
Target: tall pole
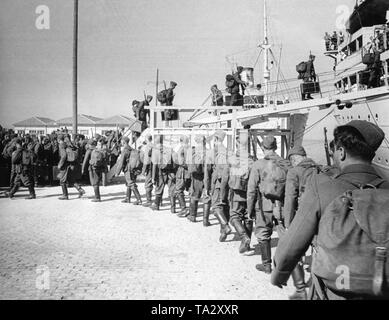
(75, 71)
(266, 47)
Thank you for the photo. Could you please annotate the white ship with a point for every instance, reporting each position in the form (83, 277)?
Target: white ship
(347, 96)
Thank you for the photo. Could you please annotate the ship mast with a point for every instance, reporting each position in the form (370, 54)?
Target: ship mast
(75, 65)
(266, 47)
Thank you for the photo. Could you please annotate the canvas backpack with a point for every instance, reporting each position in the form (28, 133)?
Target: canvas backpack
(166, 162)
(195, 164)
(353, 242)
(307, 175)
(71, 154)
(97, 159)
(272, 185)
(162, 96)
(134, 161)
(301, 67)
(230, 81)
(27, 157)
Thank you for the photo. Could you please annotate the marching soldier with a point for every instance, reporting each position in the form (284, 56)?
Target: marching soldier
(95, 160)
(68, 167)
(296, 180)
(146, 153)
(131, 166)
(219, 184)
(197, 168)
(238, 179)
(265, 209)
(182, 174)
(163, 173)
(22, 161)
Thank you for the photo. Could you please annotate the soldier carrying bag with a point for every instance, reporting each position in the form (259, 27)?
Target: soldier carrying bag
(353, 242)
(97, 159)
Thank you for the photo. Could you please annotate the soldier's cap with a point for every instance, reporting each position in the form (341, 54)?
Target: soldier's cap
(149, 98)
(126, 139)
(135, 102)
(297, 150)
(199, 138)
(220, 134)
(239, 68)
(372, 134)
(92, 142)
(18, 141)
(173, 84)
(214, 87)
(269, 142)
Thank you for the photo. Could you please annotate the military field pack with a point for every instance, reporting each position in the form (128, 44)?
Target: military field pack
(16, 157)
(368, 58)
(134, 161)
(230, 81)
(353, 242)
(307, 175)
(27, 157)
(301, 67)
(162, 96)
(97, 159)
(166, 159)
(272, 185)
(71, 154)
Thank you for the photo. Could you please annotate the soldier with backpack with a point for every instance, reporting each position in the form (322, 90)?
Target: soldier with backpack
(131, 166)
(96, 159)
(163, 173)
(182, 174)
(240, 165)
(234, 83)
(166, 97)
(265, 194)
(218, 181)
(197, 169)
(69, 167)
(346, 216)
(22, 160)
(303, 169)
(145, 154)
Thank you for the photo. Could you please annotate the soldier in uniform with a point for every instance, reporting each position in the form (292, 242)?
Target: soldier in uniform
(131, 168)
(355, 147)
(264, 210)
(170, 114)
(163, 173)
(146, 152)
(95, 160)
(197, 168)
(141, 113)
(219, 184)
(182, 174)
(22, 160)
(240, 165)
(217, 96)
(303, 169)
(68, 169)
(236, 98)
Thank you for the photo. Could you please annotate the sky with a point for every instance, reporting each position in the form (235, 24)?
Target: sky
(123, 42)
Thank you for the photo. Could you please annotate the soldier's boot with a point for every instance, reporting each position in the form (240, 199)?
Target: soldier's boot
(184, 210)
(65, 194)
(155, 205)
(138, 198)
(173, 204)
(128, 196)
(97, 198)
(193, 210)
(265, 266)
(207, 210)
(248, 224)
(225, 229)
(299, 283)
(32, 193)
(80, 190)
(104, 180)
(13, 190)
(148, 202)
(241, 231)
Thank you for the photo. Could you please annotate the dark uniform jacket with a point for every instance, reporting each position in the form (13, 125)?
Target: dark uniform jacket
(253, 194)
(320, 192)
(140, 112)
(239, 176)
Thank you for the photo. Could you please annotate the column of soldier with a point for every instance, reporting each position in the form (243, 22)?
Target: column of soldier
(300, 198)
